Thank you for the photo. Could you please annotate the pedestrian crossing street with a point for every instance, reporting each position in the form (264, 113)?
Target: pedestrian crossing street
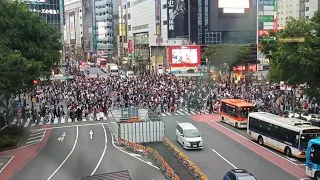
(184, 112)
(62, 120)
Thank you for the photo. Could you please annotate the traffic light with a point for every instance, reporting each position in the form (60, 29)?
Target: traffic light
(252, 55)
(35, 82)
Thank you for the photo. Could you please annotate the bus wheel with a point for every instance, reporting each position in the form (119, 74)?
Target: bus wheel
(237, 125)
(287, 152)
(260, 140)
(222, 119)
(317, 175)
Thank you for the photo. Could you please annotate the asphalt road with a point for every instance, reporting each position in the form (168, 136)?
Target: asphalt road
(78, 155)
(221, 153)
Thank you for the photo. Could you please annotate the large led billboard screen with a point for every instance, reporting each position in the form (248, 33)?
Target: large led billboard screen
(238, 4)
(184, 56)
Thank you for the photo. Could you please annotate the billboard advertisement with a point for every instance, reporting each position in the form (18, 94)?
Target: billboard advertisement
(184, 56)
(237, 4)
(158, 17)
(177, 13)
(72, 30)
(87, 23)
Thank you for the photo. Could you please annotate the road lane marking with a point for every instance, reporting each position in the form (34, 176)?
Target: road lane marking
(113, 144)
(224, 159)
(104, 150)
(65, 160)
(6, 164)
(253, 142)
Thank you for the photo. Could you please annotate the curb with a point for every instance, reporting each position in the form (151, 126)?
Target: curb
(184, 160)
(151, 154)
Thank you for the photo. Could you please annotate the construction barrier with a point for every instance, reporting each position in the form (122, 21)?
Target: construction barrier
(184, 160)
(152, 154)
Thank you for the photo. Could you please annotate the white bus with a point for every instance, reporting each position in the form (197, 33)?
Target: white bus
(287, 135)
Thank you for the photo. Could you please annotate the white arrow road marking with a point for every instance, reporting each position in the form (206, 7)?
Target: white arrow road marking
(64, 161)
(64, 134)
(91, 134)
(61, 139)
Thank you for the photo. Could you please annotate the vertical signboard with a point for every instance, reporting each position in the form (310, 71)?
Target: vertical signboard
(87, 23)
(72, 30)
(267, 18)
(158, 17)
(177, 18)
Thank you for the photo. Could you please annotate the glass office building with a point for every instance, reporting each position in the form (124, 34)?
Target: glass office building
(48, 9)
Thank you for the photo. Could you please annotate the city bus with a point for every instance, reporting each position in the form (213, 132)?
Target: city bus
(287, 135)
(313, 159)
(235, 112)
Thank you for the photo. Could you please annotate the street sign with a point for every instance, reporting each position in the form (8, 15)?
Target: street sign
(266, 18)
(292, 39)
(269, 39)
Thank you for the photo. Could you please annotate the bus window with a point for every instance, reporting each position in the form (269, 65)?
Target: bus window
(315, 154)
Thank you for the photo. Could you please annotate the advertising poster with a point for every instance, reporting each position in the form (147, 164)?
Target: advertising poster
(184, 56)
(158, 17)
(177, 13)
(72, 30)
(275, 22)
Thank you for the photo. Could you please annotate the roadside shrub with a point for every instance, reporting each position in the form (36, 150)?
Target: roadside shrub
(7, 141)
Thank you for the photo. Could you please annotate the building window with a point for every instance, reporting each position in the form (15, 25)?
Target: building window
(129, 27)
(165, 22)
(307, 8)
(307, 17)
(164, 6)
(129, 16)
(128, 4)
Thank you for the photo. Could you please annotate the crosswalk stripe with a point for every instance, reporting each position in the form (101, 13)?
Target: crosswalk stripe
(26, 124)
(180, 112)
(55, 121)
(63, 120)
(186, 111)
(163, 114)
(69, 120)
(14, 122)
(48, 121)
(84, 119)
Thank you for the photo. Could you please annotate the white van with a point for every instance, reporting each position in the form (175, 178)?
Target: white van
(188, 136)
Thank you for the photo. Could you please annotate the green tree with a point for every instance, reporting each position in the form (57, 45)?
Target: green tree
(296, 62)
(29, 48)
(229, 54)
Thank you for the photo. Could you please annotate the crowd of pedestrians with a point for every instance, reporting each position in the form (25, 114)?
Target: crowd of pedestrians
(85, 97)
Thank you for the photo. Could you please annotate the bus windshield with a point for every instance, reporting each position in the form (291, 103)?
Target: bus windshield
(244, 111)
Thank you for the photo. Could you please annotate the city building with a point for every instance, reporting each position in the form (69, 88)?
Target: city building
(97, 28)
(104, 25)
(120, 28)
(296, 9)
(73, 28)
(155, 25)
(48, 9)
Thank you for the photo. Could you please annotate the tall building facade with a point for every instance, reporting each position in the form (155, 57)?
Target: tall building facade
(48, 9)
(296, 9)
(73, 28)
(104, 27)
(120, 20)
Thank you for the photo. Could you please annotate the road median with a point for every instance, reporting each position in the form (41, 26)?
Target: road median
(152, 154)
(192, 168)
